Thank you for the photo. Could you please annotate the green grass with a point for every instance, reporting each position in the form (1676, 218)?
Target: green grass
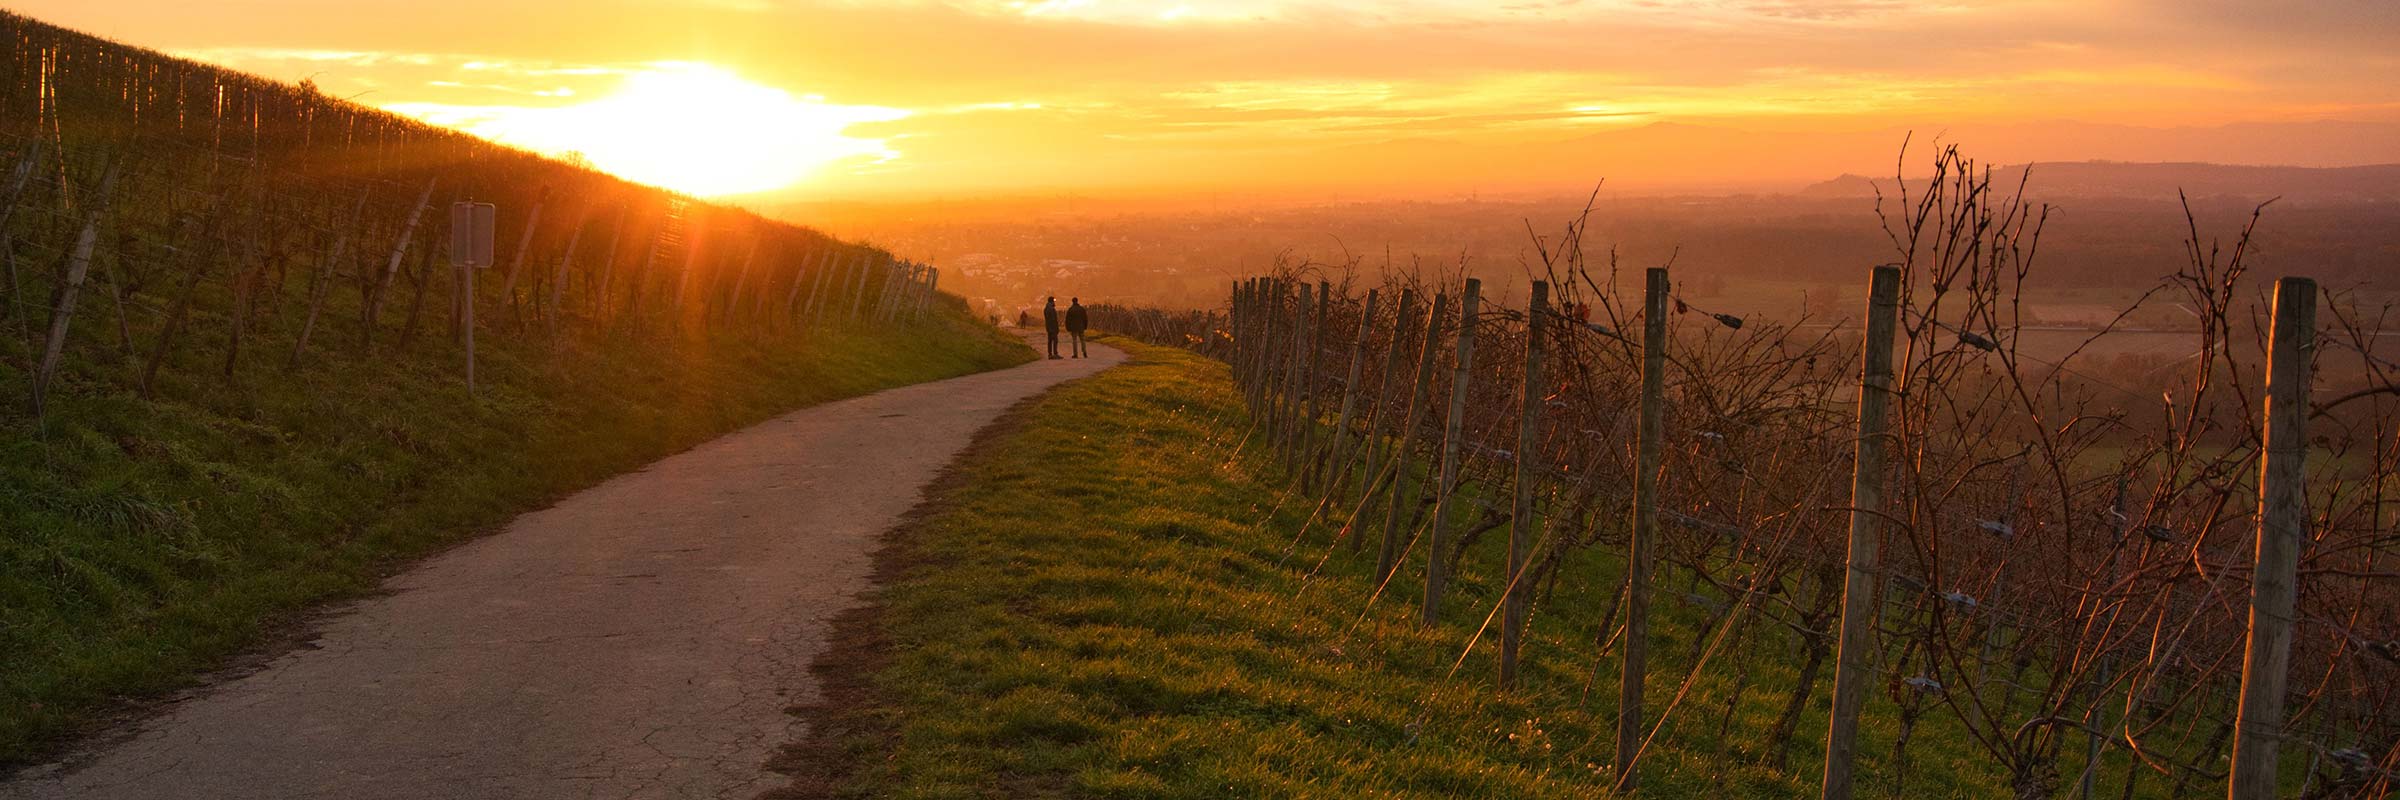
(1105, 602)
(149, 540)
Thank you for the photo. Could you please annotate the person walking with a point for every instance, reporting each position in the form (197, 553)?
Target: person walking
(1077, 321)
(1050, 322)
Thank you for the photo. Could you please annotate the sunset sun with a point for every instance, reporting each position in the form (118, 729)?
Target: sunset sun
(693, 128)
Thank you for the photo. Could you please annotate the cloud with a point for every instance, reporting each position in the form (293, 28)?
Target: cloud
(241, 56)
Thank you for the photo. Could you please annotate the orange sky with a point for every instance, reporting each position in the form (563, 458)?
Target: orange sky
(810, 100)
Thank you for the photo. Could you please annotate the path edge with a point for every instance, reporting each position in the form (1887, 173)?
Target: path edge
(825, 760)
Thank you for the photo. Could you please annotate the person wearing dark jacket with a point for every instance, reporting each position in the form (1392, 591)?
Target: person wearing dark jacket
(1077, 321)
(1050, 323)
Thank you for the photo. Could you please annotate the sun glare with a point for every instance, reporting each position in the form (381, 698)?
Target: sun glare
(693, 128)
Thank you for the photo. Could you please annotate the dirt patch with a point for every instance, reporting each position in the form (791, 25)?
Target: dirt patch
(851, 731)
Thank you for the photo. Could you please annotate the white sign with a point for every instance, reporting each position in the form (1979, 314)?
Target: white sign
(471, 227)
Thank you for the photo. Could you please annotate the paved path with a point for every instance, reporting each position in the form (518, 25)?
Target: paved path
(640, 639)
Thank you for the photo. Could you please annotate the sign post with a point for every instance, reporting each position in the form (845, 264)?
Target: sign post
(471, 231)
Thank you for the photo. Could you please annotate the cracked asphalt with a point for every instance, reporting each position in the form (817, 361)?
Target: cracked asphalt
(640, 639)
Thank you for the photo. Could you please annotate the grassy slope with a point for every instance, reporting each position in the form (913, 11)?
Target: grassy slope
(1093, 609)
(147, 540)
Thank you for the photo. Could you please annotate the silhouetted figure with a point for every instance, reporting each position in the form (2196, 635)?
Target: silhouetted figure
(1024, 319)
(1077, 321)
(1050, 322)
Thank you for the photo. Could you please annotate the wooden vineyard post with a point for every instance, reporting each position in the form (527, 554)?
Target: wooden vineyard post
(79, 264)
(1242, 342)
(693, 242)
(598, 296)
(829, 303)
(794, 299)
(1287, 367)
(418, 279)
(918, 292)
(759, 308)
(558, 280)
(895, 274)
(669, 230)
(741, 279)
(1270, 337)
(2282, 528)
(1339, 449)
(1389, 557)
(1245, 339)
(877, 265)
(801, 267)
(1641, 548)
(196, 270)
(916, 288)
(9, 202)
(1863, 578)
(886, 288)
(1270, 316)
(925, 298)
(858, 284)
(1270, 340)
(1372, 443)
(1236, 314)
(877, 286)
(391, 266)
(904, 281)
(322, 284)
(1303, 340)
(1437, 568)
(821, 263)
(1295, 331)
(1270, 367)
(1253, 383)
(245, 282)
(1270, 343)
(516, 261)
(887, 295)
(1316, 399)
(2093, 723)
(1520, 518)
(836, 270)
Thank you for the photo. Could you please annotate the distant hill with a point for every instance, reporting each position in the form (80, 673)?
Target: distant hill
(2376, 183)
(1677, 158)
